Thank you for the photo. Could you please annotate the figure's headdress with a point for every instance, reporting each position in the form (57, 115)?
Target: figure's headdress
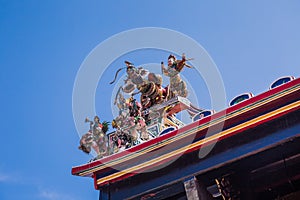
(172, 56)
(96, 119)
(128, 64)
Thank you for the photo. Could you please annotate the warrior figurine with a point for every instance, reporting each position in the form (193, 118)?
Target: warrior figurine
(177, 85)
(139, 124)
(95, 138)
(135, 77)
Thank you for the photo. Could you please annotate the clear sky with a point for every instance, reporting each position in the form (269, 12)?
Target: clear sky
(44, 43)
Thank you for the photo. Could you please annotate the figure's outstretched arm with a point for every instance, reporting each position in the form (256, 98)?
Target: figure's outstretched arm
(163, 69)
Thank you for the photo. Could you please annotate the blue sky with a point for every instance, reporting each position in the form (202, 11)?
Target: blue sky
(44, 43)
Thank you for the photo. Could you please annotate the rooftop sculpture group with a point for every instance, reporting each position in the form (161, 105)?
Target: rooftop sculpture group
(139, 121)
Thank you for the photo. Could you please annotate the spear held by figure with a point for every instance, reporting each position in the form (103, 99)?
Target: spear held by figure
(128, 65)
(116, 75)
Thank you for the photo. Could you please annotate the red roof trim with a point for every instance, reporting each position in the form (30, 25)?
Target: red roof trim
(76, 170)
